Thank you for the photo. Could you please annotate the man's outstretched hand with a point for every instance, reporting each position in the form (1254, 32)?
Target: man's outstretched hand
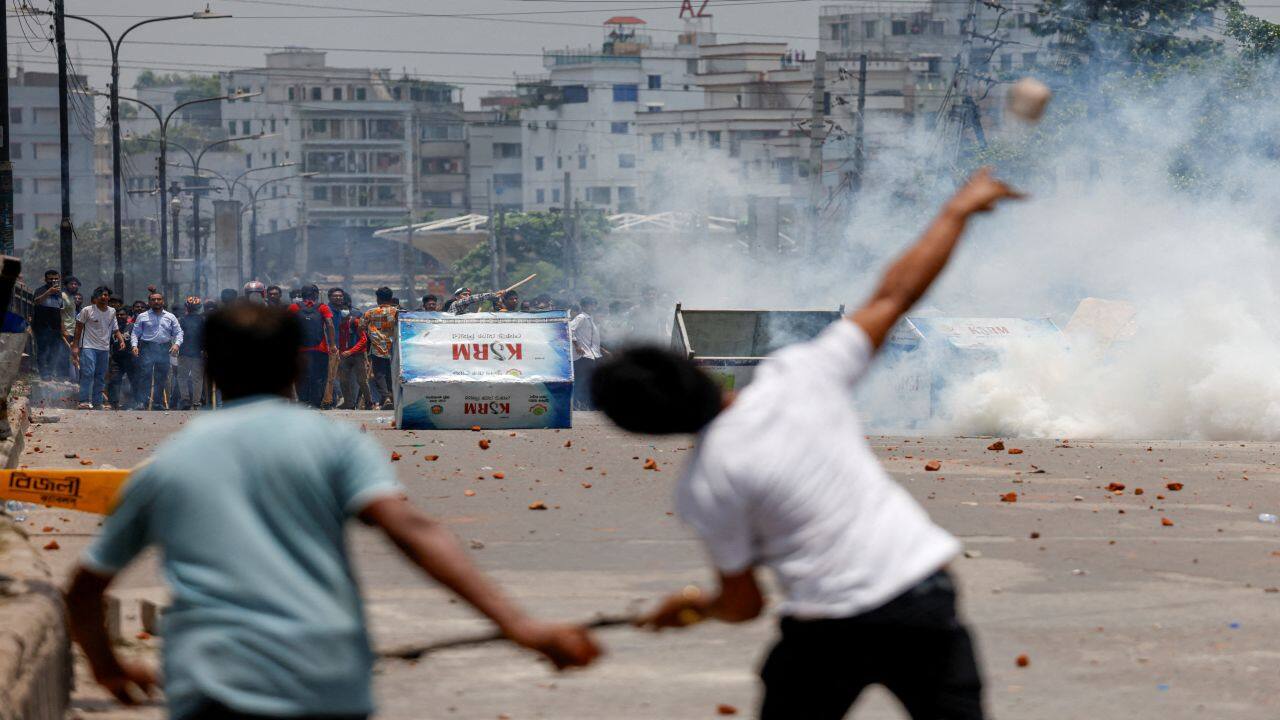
(565, 646)
(981, 193)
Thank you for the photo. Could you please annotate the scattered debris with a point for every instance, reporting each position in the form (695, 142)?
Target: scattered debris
(723, 709)
(586, 485)
(1009, 497)
(568, 443)
(469, 493)
(1115, 487)
(70, 456)
(650, 464)
(86, 461)
(1015, 451)
(475, 428)
(1022, 661)
(1166, 522)
(52, 545)
(476, 544)
(499, 475)
(1174, 486)
(933, 466)
(1138, 491)
(537, 505)
(484, 444)
(972, 554)
(1079, 498)
(395, 456)
(996, 446)
(1035, 536)
(431, 458)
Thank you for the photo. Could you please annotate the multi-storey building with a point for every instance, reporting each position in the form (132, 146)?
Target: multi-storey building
(381, 149)
(581, 119)
(495, 177)
(37, 155)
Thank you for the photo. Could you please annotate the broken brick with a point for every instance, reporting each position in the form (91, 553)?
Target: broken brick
(395, 456)
(1174, 486)
(431, 458)
(1115, 487)
(484, 444)
(996, 446)
(537, 505)
(1015, 451)
(933, 466)
(650, 464)
(469, 493)
(52, 545)
(1022, 661)
(1009, 497)
(1166, 522)
(499, 476)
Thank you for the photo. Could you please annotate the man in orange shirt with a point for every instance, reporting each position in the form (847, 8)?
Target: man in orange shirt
(380, 322)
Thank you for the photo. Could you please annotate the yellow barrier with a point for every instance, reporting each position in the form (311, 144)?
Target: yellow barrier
(91, 491)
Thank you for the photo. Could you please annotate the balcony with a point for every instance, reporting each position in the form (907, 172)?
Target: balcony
(587, 56)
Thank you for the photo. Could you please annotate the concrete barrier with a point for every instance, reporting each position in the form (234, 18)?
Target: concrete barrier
(36, 671)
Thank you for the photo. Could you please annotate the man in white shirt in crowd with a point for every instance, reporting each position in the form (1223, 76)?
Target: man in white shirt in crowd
(91, 347)
(156, 336)
(783, 478)
(585, 351)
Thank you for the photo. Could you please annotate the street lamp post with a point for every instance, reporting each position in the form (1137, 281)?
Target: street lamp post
(164, 146)
(253, 219)
(195, 201)
(114, 45)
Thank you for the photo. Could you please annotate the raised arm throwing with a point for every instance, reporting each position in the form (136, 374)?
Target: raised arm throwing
(911, 274)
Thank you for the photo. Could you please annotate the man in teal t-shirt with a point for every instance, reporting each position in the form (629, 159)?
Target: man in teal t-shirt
(248, 506)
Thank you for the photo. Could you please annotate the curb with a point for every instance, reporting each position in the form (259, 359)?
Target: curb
(36, 671)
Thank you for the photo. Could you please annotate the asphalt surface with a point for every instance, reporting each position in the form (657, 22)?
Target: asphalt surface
(1119, 613)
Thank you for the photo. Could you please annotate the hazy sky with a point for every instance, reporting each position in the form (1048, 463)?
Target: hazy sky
(502, 37)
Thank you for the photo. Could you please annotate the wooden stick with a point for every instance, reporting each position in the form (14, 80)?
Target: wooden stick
(413, 652)
(513, 287)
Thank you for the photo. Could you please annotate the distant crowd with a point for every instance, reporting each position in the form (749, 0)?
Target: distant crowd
(148, 355)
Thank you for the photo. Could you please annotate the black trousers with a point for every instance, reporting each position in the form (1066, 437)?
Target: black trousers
(214, 710)
(315, 368)
(914, 645)
(583, 369)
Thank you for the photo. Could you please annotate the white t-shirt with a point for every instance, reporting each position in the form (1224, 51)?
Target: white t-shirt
(585, 334)
(785, 479)
(98, 327)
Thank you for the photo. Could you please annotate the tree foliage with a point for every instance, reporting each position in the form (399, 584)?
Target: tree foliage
(535, 243)
(94, 258)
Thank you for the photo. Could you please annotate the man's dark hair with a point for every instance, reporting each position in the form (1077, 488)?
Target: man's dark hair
(51, 271)
(70, 279)
(277, 288)
(102, 290)
(584, 302)
(384, 294)
(425, 298)
(333, 290)
(646, 389)
(310, 292)
(275, 337)
(228, 296)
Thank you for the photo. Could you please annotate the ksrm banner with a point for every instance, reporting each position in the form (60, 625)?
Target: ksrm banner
(494, 370)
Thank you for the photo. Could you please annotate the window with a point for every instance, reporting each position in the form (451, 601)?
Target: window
(626, 93)
(503, 182)
(320, 192)
(17, 186)
(691, 67)
(540, 196)
(390, 129)
(315, 93)
(15, 152)
(555, 195)
(619, 128)
(273, 190)
(506, 150)
(559, 163)
(438, 199)
(15, 116)
(899, 27)
(361, 93)
(244, 127)
(537, 164)
(869, 28)
(248, 160)
(44, 116)
(655, 82)
(1006, 61)
(273, 158)
(600, 195)
(293, 94)
(677, 137)
(582, 162)
(231, 128)
(655, 142)
(47, 186)
(938, 27)
(47, 151)
(337, 93)
(656, 107)
(1028, 58)
(713, 139)
(626, 198)
(445, 132)
(273, 124)
(17, 222)
(626, 161)
(574, 94)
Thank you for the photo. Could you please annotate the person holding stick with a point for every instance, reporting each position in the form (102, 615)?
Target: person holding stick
(464, 301)
(266, 619)
(783, 478)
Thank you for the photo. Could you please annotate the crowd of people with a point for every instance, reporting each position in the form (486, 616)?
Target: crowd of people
(149, 355)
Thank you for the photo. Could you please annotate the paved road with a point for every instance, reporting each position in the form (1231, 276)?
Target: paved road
(1121, 615)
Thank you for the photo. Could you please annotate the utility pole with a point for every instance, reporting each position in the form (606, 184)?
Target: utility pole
(859, 147)
(493, 239)
(65, 228)
(502, 247)
(817, 137)
(6, 165)
(569, 221)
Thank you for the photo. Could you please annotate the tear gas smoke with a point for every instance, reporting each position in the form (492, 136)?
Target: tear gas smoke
(1160, 198)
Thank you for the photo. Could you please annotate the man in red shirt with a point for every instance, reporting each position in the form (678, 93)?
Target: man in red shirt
(318, 344)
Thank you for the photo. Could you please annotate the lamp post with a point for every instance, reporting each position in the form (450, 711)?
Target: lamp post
(164, 148)
(195, 200)
(253, 218)
(114, 45)
(175, 207)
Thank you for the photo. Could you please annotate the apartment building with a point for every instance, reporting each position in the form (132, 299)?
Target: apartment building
(37, 156)
(581, 116)
(495, 155)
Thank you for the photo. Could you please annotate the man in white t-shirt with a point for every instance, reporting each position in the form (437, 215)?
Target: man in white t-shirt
(783, 478)
(91, 348)
(585, 352)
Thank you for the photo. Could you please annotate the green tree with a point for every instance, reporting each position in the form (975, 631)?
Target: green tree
(535, 243)
(1258, 38)
(94, 258)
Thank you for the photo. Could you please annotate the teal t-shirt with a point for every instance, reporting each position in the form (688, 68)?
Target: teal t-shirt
(247, 506)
